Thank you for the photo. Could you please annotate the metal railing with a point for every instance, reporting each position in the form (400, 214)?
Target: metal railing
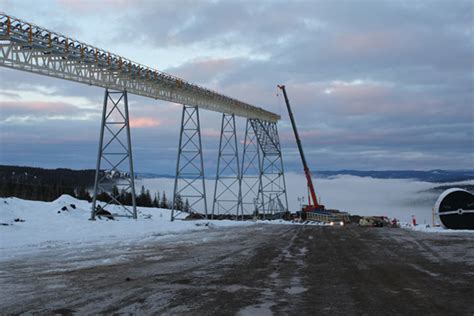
(327, 218)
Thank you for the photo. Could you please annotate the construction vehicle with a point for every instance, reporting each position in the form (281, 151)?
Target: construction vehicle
(313, 210)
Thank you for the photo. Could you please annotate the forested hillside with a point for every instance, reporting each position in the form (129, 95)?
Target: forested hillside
(40, 184)
(44, 184)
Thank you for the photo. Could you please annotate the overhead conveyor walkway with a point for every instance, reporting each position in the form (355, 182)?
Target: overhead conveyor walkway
(25, 46)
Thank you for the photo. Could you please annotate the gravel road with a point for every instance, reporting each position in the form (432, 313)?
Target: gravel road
(256, 270)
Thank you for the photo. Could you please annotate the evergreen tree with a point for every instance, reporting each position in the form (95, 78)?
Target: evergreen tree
(141, 198)
(178, 202)
(83, 194)
(164, 201)
(128, 198)
(147, 199)
(156, 200)
(187, 207)
(123, 197)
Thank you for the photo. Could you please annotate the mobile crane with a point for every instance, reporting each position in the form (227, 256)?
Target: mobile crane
(314, 210)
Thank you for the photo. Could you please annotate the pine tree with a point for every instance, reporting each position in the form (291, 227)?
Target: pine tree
(141, 198)
(156, 200)
(83, 194)
(164, 201)
(187, 207)
(178, 202)
(128, 198)
(147, 199)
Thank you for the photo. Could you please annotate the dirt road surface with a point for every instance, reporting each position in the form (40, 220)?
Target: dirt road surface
(256, 270)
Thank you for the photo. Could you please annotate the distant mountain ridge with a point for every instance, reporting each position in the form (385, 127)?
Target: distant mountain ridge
(85, 177)
(437, 175)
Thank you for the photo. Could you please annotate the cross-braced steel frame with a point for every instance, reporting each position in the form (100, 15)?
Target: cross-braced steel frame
(272, 189)
(27, 47)
(251, 169)
(115, 149)
(189, 182)
(227, 186)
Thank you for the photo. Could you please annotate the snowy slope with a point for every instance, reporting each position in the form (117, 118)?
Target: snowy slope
(46, 225)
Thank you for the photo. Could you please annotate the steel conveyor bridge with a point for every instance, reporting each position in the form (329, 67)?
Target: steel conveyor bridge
(27, 47)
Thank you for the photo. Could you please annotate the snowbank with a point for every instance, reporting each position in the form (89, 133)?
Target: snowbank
(27, 226)
(431, 229)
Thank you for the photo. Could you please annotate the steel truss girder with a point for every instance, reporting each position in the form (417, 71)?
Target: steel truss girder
(227, 186)
(189, 181)
(272, 189)
(251, 169)
(115, 148)
(25, 46)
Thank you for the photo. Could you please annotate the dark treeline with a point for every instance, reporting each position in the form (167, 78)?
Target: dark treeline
(51, 177)
(144, 198)
(40, 192)
(40, 184)
(49, 184)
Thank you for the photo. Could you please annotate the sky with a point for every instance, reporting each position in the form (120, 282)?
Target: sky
(374, 85)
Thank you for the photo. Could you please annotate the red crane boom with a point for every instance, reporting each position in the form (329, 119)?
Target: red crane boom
(313, 202)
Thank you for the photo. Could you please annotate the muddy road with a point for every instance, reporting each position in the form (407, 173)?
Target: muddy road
(257, 270)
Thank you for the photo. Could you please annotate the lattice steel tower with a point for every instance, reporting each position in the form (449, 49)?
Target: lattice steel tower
(227, 186)
(115, 149)
(189, 182)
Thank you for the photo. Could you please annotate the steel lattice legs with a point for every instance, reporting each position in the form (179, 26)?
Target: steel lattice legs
(115, 149)
(272, 188)
(227, 191)
(189, 192)
(251, 168)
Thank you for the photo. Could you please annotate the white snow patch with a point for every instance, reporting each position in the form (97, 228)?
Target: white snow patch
(431, 229)
(46, 225)
(256, 310)
(294, 290)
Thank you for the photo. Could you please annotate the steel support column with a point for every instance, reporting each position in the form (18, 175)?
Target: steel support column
(251, 170)
(227, 186)
(189, 184)
(115, 149)
(272, 176)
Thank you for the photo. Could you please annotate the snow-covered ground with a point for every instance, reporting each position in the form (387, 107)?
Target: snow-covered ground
(42, 225)
(435, 229)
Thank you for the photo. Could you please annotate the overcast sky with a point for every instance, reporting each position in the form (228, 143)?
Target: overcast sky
(374, 84)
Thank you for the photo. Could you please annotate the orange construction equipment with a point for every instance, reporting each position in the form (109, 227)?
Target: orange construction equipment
(313, 204)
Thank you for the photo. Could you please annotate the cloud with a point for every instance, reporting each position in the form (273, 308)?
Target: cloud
(92, 7)
(144, 122)
(373, 84)
(204, 71)
(37, 107)
(36, 112)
